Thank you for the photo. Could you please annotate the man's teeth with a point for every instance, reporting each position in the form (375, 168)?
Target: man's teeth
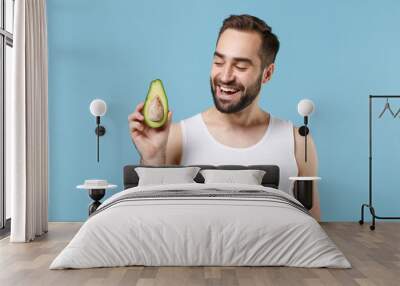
(227, 89)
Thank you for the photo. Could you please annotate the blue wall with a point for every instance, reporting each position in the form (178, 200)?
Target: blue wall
(333, 52)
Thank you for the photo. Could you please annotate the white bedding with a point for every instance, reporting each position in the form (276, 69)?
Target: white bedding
(181, 231)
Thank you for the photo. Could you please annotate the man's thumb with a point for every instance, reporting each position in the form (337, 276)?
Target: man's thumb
(169, 120)
(169, 117)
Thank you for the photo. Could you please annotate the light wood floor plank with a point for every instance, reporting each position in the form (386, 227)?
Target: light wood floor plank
(374, 255)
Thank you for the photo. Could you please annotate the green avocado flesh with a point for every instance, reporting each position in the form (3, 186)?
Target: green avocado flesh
(155, 110)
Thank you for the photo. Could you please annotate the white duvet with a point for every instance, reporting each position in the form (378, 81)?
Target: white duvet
(200, 231)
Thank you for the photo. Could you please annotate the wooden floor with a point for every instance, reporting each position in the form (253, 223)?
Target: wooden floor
(374, 255)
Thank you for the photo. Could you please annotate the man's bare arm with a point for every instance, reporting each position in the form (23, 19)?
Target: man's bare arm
(309, 168)
(172, 155)
(174, 145)
(157, 161)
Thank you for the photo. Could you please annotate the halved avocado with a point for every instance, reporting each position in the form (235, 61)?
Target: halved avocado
(155, 110)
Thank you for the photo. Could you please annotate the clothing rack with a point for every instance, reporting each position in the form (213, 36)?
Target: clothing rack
(370, 205)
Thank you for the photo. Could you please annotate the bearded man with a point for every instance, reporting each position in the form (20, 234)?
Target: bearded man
(236, 130)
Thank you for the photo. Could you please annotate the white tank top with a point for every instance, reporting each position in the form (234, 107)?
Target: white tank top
(276, 147)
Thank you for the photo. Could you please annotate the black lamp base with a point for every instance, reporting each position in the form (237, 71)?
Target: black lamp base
(100, 130)
(303, 192)
(96, 195)
(303, 130)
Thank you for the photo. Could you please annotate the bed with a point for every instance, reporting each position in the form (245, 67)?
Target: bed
(201, 224)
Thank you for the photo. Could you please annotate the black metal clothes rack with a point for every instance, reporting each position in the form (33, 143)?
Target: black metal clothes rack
(370, 205)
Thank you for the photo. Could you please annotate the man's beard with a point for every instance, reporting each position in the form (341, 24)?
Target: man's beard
(247, 97)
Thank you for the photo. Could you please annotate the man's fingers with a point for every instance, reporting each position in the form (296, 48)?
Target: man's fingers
(134, 125)
(169, 117)
(136, 116)
(136, 133)
(139, 107)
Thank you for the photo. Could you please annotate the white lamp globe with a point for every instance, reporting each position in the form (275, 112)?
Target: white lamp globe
(98, 107)
(305, 107)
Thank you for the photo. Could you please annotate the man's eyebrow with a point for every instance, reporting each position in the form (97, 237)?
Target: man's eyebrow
(237, 59)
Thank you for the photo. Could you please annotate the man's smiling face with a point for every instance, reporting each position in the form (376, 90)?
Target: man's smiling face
(236, 73)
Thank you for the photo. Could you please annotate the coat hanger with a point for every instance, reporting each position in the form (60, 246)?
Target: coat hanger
(398, 111)
(387, 107)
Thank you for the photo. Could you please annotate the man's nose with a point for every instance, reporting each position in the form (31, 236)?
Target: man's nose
(227, 74)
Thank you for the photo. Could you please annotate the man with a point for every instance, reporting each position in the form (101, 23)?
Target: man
(236, 130)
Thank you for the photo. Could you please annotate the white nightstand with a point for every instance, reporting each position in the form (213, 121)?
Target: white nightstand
(304, 178)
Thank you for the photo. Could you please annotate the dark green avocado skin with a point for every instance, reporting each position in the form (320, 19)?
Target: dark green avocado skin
(156, 88)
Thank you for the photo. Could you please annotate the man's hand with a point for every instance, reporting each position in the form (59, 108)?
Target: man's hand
(151, 143)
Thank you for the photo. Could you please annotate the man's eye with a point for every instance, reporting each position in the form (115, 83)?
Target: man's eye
(218, 63)
(241, 68)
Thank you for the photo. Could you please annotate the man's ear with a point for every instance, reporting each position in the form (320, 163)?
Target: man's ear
(267, 73)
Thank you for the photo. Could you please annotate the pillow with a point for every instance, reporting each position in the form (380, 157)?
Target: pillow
(162, 176)
(248, 177)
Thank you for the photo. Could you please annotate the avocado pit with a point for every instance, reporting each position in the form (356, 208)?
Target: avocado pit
(156, 110)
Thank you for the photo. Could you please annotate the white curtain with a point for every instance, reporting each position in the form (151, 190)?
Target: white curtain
(27, 124)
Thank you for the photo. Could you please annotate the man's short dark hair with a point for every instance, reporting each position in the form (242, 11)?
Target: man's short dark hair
(270, 42)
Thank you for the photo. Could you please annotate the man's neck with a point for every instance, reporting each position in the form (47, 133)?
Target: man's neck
(250, 116)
